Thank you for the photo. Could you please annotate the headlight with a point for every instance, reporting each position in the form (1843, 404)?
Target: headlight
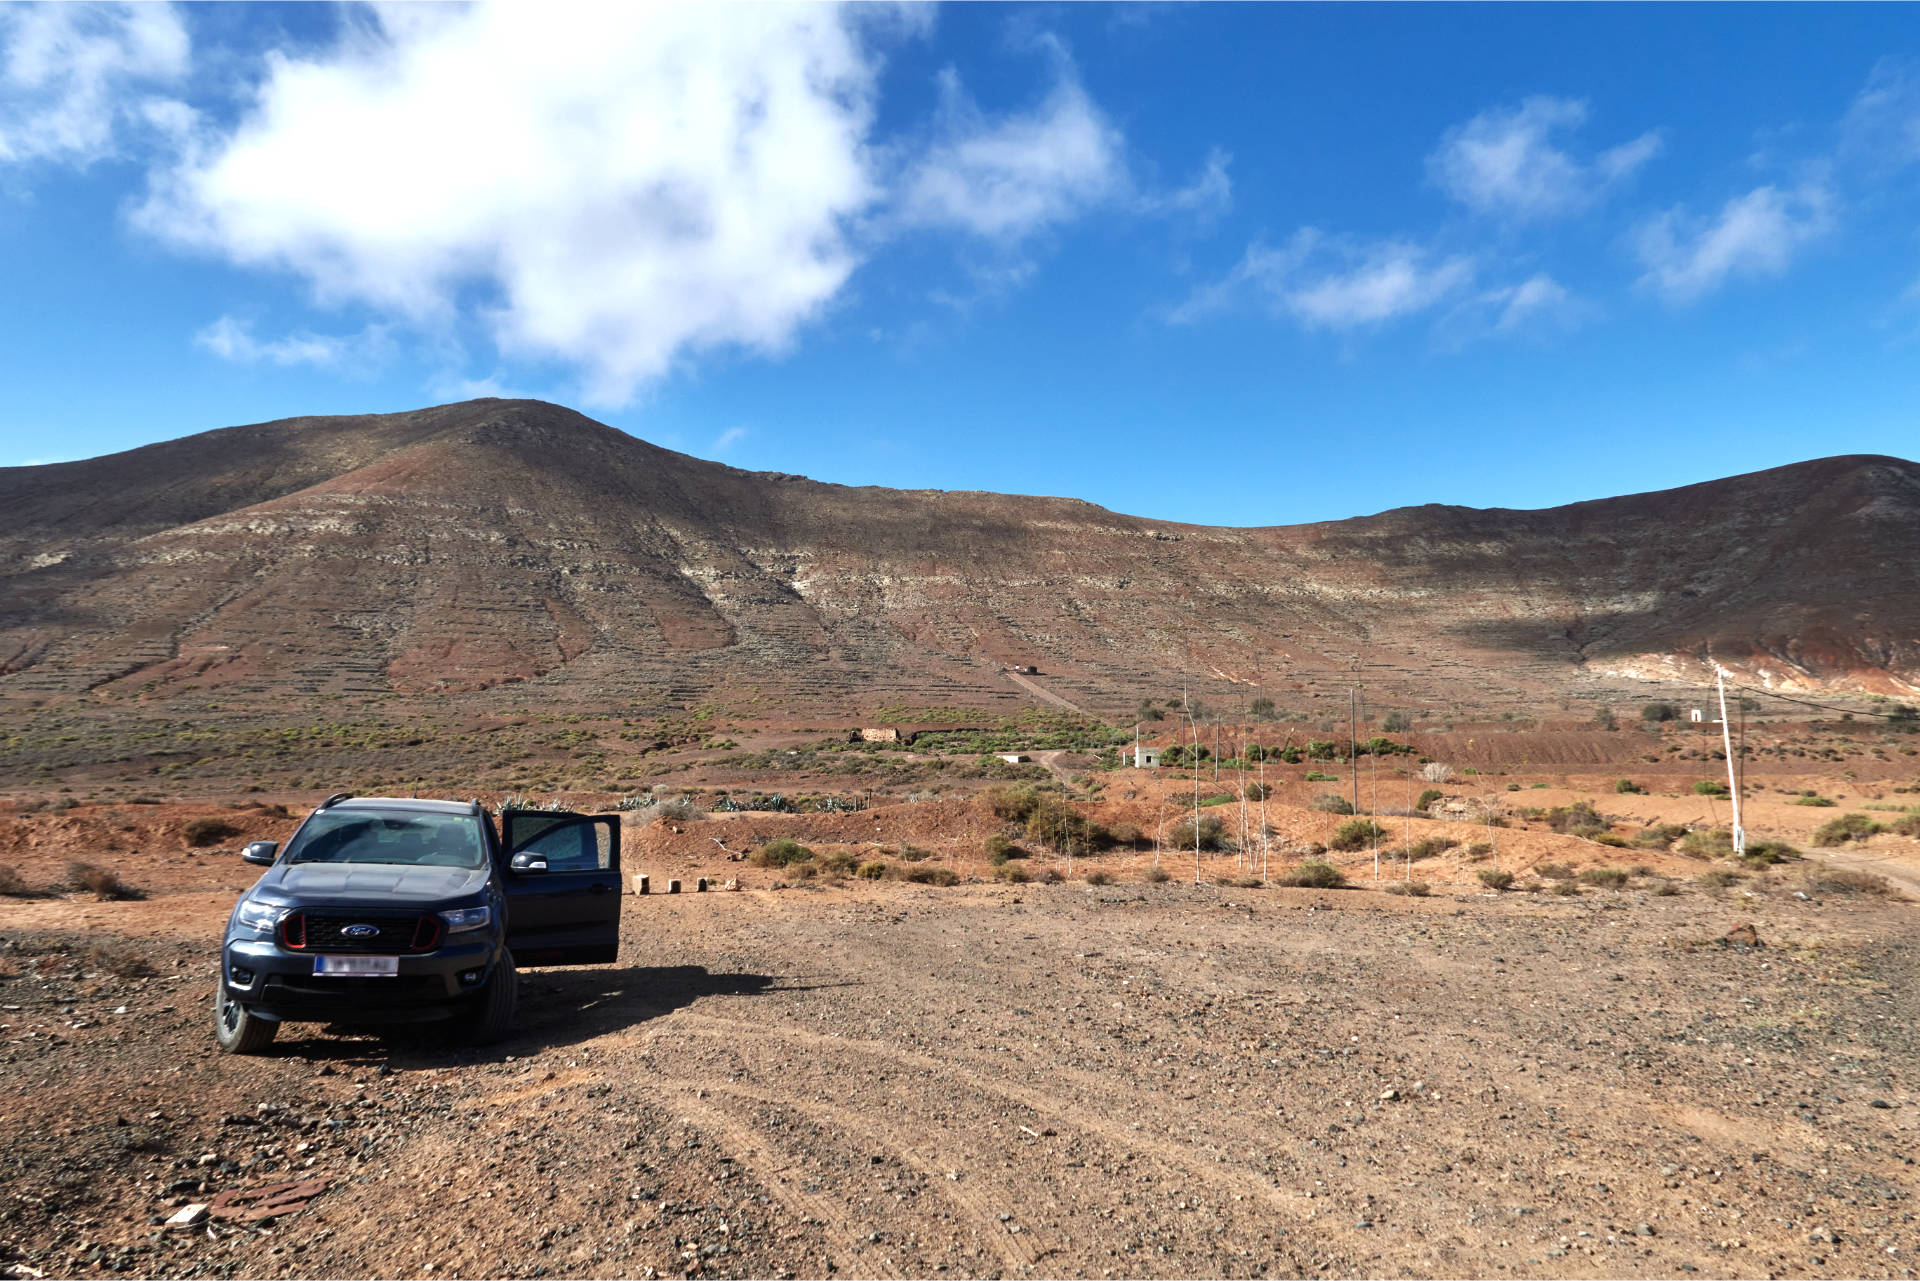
(260, 917)
(466, 918)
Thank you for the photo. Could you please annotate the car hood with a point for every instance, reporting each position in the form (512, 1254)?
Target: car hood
(371, 884)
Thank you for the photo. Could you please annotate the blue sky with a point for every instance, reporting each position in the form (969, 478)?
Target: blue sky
(1235, 265)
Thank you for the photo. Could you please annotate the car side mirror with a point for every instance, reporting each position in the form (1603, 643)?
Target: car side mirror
(261, 852)
(524, 862)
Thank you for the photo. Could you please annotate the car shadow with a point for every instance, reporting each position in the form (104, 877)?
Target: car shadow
(557, 1007)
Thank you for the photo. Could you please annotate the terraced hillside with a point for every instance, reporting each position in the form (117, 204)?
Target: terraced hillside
(494, 543)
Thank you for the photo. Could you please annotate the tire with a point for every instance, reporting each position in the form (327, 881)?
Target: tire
(236, 1029)
(493, 1019)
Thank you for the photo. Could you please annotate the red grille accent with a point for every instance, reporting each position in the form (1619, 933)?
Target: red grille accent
(427, 934)
(293, 931)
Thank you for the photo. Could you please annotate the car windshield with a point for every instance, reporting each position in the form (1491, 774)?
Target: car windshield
(420, 840)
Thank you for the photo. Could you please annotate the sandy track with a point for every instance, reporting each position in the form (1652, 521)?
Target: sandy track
(1128, 1080)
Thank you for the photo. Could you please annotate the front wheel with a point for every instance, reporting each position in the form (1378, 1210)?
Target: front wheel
(236, 1029)
(494, 1018)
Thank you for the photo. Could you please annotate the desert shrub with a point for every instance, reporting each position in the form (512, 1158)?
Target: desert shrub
(1398, 722)
(1608, 838)
(1605, 719)
(1514, 787)
(1848, 827)
(1663, 888)
(1766, 853)
(101, 882)
(1608, 877)
(202, 832)
(1124, 834)
(121, 962)
(1495, 879)
(1014, 804)
(839, 862)
(1659, 836)
(1156, 876)
(1427, 798)
(873, 870)
(932, 876)
(1328, 803)
(1355, 834)
(1554, 872)
(1655, 713)
(1819, 802)
(1715, 843)
(1640, 869)
(1050, 876)
(1627, 787)
(1099, 878)
(1054, 823)
(11, 885)
(1000, 848)
(1566, 889)
(1710, 787)
(1435, 772)
(1418, 889)
(1476, 851)
(1322, 749)
(1314, 874)
(1012, 873)
(1720, 877)
(1218, 798)
(1577, 819)
(1262, 709)
(1259, 791)
(781, 851)
(1907, 824)
(1834, 880)
(1431, 846)
(1244, 882)
(911, 853)
(678, 809)
(1315, 776)
(1205, 831)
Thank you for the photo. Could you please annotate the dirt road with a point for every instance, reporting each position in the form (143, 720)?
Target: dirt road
(1128, 1080)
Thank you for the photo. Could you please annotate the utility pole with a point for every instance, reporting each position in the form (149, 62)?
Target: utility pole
(1353, 742)
(1733, 782)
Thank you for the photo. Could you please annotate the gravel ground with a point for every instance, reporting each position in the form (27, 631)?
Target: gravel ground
(1127, 1080)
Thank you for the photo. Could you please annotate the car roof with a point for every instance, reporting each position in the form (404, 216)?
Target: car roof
(406, 803)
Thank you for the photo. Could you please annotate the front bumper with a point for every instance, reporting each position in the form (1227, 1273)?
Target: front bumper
(276, 983)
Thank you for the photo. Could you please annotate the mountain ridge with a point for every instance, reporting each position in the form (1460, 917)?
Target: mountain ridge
(455, 549)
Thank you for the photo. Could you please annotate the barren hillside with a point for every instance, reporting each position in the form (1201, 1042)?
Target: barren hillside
(459, 548)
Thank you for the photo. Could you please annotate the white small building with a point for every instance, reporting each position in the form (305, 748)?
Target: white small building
(1146, 757)
(1015, 758)
(1696, 715)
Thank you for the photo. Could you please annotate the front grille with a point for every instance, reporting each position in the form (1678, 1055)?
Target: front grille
(315, 932)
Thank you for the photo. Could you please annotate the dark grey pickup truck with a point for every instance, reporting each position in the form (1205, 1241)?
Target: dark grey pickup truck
(383, 911)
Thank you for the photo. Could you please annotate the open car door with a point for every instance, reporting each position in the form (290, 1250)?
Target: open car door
(562, 885)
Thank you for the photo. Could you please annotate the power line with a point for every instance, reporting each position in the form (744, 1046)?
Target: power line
(1829, 707)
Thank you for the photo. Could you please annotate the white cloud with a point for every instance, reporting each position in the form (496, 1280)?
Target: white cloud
(1325, 283)
(1529, 302)
(71, 77)
(1536, 308)
(1882, 126)
(727, 439)
(1005, 179)
(1505, 161)
(1754, 235)
(617, 185)
(1208, 196)
(233, 340)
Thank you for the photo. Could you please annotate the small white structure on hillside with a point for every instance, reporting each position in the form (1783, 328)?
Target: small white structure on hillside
(1146, 757)
(1696, 715)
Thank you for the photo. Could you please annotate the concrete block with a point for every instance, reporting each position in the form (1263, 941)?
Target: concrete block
(642, 884)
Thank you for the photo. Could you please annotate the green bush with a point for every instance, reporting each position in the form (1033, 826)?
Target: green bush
(1398, 722)
(1710, 787)
(1427, 798)
(1431, 846)
(1494, 879)
(1715, 843)
(1626, 787)
(1610, 877)
(1206, 830)
(932, 876)
(1219, 798)
(1848, 827)
(1356, 834)
(1476, 851)
(1262, 709)
(1259, 791)
(1314, 874)
(1012, 873)
(1819, 802)
(1720, 878)
(1329, 803)
(1655, 713)
(1659, 836)
(781, 851)
(1554, 872)
(1767, 853)
(1578, 819)
(872, 871)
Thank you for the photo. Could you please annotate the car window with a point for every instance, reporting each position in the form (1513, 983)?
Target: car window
(421, 840)
(569, 846)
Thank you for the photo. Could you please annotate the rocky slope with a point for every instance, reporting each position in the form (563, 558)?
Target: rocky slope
(493, 542)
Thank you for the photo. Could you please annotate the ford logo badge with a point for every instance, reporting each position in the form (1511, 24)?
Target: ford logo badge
(361, 931)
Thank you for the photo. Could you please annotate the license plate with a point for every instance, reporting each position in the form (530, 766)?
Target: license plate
(360, 966)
